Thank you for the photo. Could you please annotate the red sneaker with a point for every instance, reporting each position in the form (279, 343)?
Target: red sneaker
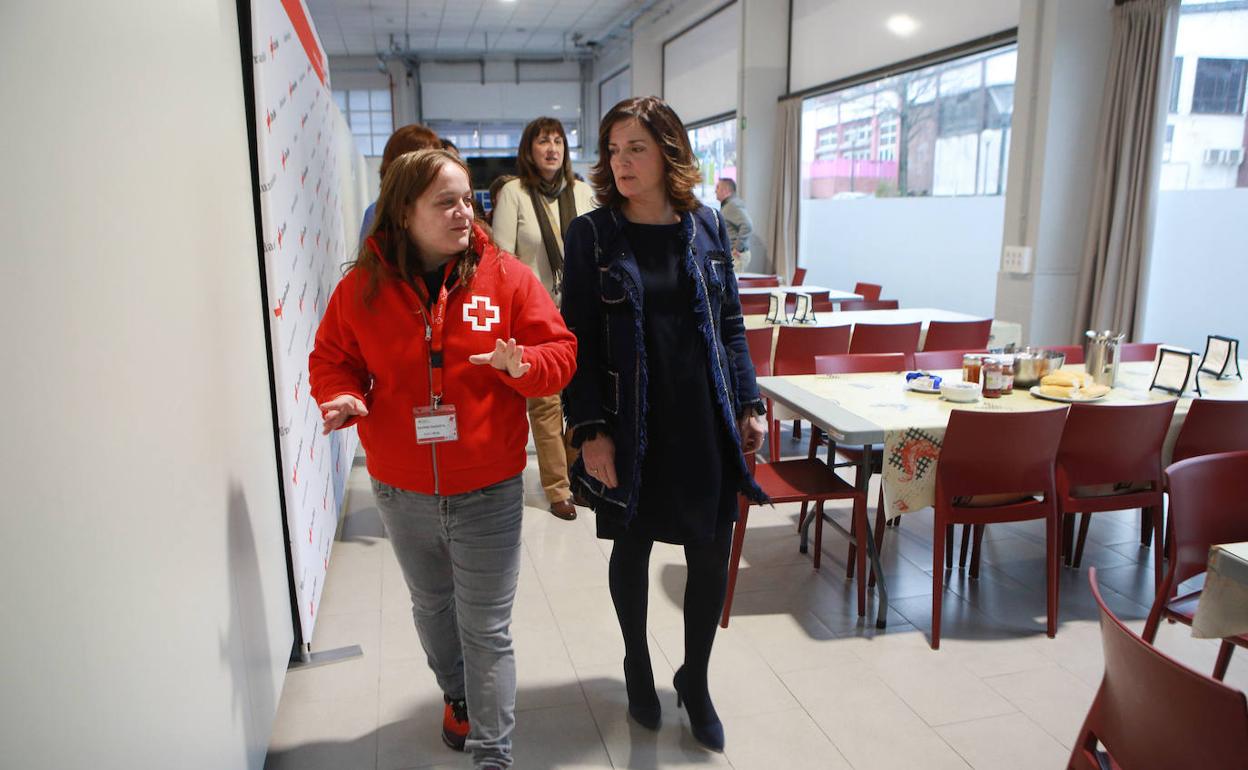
(455, 722)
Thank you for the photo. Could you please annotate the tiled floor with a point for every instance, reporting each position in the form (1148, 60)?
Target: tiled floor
(799, 680)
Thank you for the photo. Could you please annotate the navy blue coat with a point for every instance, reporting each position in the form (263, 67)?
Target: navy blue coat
(603, 305)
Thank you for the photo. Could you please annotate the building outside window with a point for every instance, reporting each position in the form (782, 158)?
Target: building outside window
(1206, 131)
(942, 130)
(368, 113)
(715, 146)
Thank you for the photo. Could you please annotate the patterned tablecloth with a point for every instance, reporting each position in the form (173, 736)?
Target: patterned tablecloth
(1223, 607)
(914, 423)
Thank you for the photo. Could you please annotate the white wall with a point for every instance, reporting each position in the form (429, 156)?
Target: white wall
(835, 39)
(146, 613)
(655, 27)
(1198, 268)
(944, 253)
(701, 67)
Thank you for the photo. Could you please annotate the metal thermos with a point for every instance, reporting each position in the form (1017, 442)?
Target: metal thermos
(1101, 358)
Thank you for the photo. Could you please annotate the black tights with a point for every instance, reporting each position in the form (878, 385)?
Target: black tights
(704, 601)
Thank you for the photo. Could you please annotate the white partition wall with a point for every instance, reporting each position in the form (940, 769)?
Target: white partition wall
(145, 603)
(701, 66)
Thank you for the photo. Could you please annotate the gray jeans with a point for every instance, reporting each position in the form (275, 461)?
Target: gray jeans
(460, 556)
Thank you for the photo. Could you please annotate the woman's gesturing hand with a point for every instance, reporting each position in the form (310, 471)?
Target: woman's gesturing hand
(599, 456)
(752, 429)
(506, 357)
(339, 409)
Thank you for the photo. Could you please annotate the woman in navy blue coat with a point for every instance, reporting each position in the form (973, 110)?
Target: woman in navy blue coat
(663, 403)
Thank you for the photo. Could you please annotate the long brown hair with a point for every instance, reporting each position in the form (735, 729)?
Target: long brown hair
(388, 251)
(526, 165)
(679, 162)
(409, 138)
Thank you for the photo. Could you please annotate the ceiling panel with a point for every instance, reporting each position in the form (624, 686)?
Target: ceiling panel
(361, 27)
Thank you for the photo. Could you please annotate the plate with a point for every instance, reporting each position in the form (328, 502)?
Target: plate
(919, 388)
(1035, 391)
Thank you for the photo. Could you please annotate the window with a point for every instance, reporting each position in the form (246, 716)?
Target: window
(1206, 133)
(715, 146)
(496, 138)
(369, 116)
(940, 130)
(1219, 86)
(1176, 77)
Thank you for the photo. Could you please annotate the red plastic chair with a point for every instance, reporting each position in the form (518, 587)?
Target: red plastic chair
(796, 348)
(755, 304)
(759, 343)
(799, 275)
(958, 335)
(927, 360)
(1211, 427)
(885, 338)
(1208, 505)
(870, 304)
(858, 363)
(1137, 351)
(824, 305)
(792, 481)
(1073, 353)
(1151, 711)
(868, 291)
(770, 280)
(983, 454)
(1106, 445)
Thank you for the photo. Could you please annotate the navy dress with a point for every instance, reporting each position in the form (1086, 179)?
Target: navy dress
(689, 479)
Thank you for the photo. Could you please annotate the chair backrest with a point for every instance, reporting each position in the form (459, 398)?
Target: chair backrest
(816, 296)
(770, 280)
(870, 304)
(824, 305)
(755, 304)
(885, 338)
(1073, 353)
(799, 275)
(868, 290)
(1137, 351)
(1208, 505)
(797, 346)
(850, 363)
(1107, 444)
(988, 453)
(958, 335)
(928, 360)
(759, 343)
(1212, 426)
(1152, 711)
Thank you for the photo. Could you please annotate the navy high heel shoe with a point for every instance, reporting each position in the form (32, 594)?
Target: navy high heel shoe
(643, 701)
(705, 726)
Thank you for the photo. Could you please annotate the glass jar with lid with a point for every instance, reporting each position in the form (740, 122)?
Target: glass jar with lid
(993, 379)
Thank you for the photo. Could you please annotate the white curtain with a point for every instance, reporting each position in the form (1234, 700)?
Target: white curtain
(785, 190)
(1129, 141)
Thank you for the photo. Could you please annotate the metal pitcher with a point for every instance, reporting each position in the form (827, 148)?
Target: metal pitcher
(1101, 358)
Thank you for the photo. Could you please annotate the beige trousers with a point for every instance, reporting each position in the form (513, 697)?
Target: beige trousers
(553, 453)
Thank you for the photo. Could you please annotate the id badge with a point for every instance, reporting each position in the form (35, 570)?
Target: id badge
(435, 425)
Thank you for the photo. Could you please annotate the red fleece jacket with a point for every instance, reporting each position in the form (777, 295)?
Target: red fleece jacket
(378, 353)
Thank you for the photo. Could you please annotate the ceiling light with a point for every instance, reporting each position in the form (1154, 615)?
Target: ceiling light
(556, 106)
(901, 25)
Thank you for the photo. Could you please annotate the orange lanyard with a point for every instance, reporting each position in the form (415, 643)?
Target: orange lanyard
(433, 330)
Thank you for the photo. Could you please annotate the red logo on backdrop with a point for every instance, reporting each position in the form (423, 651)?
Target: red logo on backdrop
(296, 394)
(272, 46)
(269, 117)
(281, 232)
(312, 451)
(290, 90)
(285, 155)
(303, 27)
(304, 176)
(277, 311)
(304, 120)
(312, 607)
(294, 476)
(302, 233)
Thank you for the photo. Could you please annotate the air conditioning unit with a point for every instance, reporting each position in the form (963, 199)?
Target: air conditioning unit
(1229, 157)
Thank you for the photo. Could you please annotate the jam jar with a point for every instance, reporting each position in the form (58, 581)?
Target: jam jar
(993, 378)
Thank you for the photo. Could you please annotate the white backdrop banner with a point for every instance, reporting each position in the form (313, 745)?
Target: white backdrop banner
(300, 140)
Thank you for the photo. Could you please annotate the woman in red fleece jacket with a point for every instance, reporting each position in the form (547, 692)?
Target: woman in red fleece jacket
(431, 343)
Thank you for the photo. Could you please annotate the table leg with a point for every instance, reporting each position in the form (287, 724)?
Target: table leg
(863, 483)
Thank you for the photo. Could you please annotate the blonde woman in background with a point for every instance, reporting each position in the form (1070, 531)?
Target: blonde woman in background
(530, 217)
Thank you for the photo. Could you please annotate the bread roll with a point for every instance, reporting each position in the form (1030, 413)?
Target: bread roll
(1059, 391)
(1093, 390)
(1063, 378)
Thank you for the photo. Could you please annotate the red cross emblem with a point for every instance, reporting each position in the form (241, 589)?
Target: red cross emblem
(482, 313)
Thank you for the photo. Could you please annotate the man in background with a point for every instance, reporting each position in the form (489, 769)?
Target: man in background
(738, 220)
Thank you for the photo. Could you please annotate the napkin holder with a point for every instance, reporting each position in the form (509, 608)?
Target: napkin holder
(775, 308)
(804, 309)
(1173, 372)
(1221, 354)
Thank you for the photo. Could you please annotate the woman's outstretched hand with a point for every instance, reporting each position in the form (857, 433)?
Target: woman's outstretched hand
(507, 357)
(339, 409)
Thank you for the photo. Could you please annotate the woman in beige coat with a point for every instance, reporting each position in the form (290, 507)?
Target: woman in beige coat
(531, 215)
